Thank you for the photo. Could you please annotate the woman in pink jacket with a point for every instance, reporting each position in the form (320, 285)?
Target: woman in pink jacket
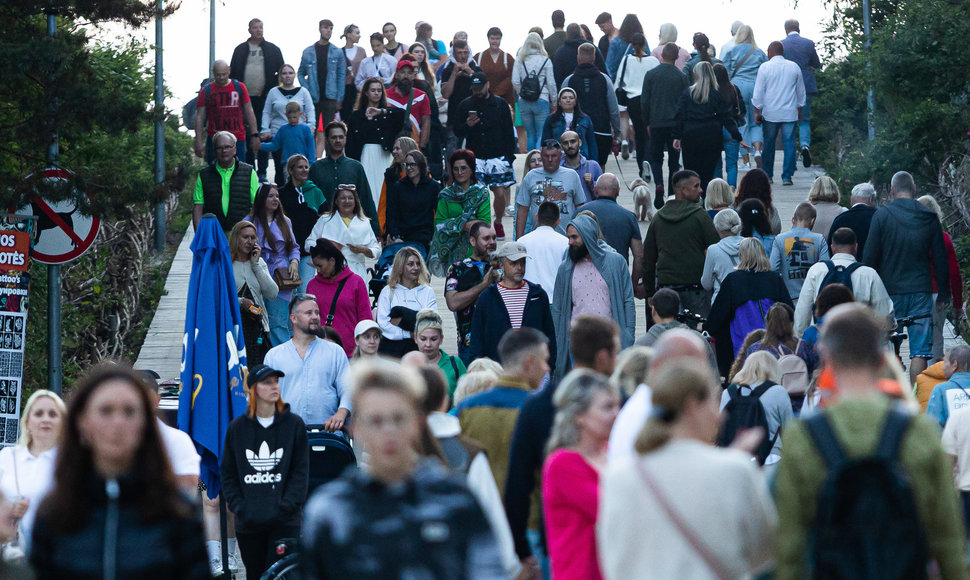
(340, 294)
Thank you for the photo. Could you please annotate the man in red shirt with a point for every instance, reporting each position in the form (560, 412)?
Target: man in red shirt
(224, 103)
(400, 92)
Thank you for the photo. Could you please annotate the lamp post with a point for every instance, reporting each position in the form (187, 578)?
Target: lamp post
(870, 99)
(160, 209)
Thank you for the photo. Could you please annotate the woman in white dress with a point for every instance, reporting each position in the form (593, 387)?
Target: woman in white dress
(349, 229)
(27, 468)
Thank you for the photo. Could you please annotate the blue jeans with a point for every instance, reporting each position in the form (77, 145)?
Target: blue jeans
(804, 127)
(535, 542)
(920, 334)
(752, 133)
(788, 142)
(210, 153)
(307, 272)
(534, 115)
(278, 310)
(731, 148)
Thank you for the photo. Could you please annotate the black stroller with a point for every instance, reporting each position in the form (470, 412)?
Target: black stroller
(382, 269)
(330, 454)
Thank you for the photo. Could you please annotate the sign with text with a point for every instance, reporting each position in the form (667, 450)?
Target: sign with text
(16, 234)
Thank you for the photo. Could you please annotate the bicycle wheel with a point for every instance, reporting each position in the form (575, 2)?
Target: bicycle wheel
(287, 568)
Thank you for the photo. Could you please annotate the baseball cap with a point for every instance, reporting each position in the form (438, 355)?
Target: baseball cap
(479, 79)
(512, 251)
(261, 372)
(365, 325)
(403, 63)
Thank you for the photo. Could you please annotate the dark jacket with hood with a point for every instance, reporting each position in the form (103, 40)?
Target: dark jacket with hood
(564, 61)
(675, 244)
(265, 471)
(493, 136)
(592, 91)
(491, 321)
(904, 239)
(272, 63)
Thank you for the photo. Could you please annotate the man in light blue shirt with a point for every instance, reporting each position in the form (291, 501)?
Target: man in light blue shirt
(316, 369)
(954, 394)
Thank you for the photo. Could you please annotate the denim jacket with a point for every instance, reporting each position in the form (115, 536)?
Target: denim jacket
(336, 73)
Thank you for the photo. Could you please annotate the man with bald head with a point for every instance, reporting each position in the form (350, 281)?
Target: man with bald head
(223, 105)
(779, 95)
(619, 225)
(673, 345)
(589, 170)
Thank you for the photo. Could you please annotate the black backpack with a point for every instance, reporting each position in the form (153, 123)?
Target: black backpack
(531, 88)
(867, 525)
(838, 274)
(744, 412)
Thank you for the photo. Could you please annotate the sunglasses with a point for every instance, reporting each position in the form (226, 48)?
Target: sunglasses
(347, 187)
(551, 144)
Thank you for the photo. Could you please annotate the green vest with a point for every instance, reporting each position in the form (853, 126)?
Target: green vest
(239, 194)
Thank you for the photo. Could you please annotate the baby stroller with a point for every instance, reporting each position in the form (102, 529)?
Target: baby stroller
(330, 454)
(382, 269)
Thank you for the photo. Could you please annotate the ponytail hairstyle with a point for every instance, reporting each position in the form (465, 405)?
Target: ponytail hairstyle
(677, 383)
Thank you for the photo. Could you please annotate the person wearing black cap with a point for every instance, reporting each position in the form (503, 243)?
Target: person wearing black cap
(486, 127)
(265, 471)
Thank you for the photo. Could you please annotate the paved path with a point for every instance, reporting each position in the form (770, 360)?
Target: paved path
(163, 344)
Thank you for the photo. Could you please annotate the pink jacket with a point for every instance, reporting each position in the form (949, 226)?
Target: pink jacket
(353, 304)
(570, 501)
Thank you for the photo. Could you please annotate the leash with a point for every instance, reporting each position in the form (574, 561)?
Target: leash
(622, 177)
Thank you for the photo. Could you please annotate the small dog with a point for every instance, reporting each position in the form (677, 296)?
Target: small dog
(642, 200)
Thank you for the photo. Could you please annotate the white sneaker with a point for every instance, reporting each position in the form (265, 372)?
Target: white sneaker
(215, 566)
(509, 211)
(233, 563)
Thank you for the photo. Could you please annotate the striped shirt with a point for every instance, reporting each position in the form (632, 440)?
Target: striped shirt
(514, 299)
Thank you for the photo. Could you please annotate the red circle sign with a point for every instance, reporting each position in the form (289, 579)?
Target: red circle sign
(62, 233)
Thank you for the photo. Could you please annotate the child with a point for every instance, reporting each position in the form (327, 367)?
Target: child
(297, 137)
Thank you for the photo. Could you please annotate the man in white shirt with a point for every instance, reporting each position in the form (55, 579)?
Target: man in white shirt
(314, 384)
(867, 286)
(551, 182)
(179, 446)
(779, 95)
(545, 248)
(381, 65)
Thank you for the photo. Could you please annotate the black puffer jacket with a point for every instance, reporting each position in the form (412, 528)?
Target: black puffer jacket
(161, 550)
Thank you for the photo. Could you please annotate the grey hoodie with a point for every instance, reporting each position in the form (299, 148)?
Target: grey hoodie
(615, 272)
(720, 261)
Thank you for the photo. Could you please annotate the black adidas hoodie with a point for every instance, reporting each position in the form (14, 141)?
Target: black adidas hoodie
(265, 471)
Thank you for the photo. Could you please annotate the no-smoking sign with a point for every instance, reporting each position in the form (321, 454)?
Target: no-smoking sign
(63, 232)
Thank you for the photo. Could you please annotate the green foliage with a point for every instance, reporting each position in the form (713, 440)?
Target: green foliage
(919, 75)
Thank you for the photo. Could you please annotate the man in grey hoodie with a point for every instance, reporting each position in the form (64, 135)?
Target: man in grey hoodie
(905, 246)
(592, 279)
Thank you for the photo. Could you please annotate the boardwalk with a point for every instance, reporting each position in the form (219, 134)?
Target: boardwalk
(163, 344)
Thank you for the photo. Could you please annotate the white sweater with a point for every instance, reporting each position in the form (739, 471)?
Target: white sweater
(274, 111)
(720, 493)
(260, 282)
(547, 80)
(416, 298)
(358, 233)
(634, 69)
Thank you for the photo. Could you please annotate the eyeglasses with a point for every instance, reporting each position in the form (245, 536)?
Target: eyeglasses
(410, 164)
(347, 187)
(551, 144)
(225, 147)
(461, 168)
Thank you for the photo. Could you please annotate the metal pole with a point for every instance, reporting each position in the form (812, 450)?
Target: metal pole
(54, 370)
(870, 99)
(224, 534)
(212, 34)
(160, 213)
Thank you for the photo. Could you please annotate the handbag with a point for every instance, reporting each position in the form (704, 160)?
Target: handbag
(255, 337)
(622, 98)
(282, 278)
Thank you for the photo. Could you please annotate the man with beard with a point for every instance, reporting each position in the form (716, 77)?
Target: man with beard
(403, 92)
(467, 280)
(338, 169)
(592, 279)
(588, 169)
(315, 369)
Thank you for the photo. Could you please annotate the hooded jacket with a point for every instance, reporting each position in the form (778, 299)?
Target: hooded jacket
(615, 272)
(564, 60)
(265, 471)
(720, 261)
(674, 247)
(904, 239)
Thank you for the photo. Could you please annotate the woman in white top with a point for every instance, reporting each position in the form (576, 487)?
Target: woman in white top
(250, 270)
(629, 76)
(533, 59)
(408, 291)
(679, 486)
(27, 469)
(274, 112)
(348, 228)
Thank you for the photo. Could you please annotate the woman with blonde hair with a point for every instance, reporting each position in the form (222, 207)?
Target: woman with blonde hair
(473, 382)
(683, 508)
(741, 305)
(760, 377)
(668, 35)
(254, 286)
(348, 228)
(824, 196)
(532, 60)
(742, 63)
(631, 369)
(27, 468)
(719, 196)
(586, 407)
(701, 117)
(428, 336)
(408, 291)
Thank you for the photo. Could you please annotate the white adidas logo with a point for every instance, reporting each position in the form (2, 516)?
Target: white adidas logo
(264, 461)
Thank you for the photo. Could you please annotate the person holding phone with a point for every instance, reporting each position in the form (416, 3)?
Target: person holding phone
(255, 285)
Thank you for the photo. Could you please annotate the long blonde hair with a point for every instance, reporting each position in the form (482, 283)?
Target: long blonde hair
(745, 35)
(532, 45)
(752, 257)
(397, 268)
(678, 382)
(24, 439)
(704, 82)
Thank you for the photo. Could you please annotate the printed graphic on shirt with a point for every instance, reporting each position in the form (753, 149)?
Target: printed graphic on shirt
(538, 194)
(801, 254)
(956, 399)
(264, 461)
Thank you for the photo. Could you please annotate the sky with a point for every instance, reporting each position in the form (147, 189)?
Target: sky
(292, 25)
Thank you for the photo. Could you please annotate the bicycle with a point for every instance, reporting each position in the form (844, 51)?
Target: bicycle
(899, 334)
(288, 566)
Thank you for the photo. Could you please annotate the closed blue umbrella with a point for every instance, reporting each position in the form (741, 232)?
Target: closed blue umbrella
(213, 351)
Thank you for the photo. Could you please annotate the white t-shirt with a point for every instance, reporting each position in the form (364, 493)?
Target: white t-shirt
(181, 450)
(628, 424)
(31, 478)
(956, 442)
(531, 193)
(265, 421)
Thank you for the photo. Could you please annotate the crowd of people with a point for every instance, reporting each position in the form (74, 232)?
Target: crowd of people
(732, 436)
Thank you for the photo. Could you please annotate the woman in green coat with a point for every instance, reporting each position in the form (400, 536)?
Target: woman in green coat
(459, 205)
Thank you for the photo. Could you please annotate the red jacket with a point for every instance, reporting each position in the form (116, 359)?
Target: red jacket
(353, 304)
(956, 281)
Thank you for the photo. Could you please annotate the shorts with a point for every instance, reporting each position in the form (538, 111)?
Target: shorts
(921, 332)
(496, 172)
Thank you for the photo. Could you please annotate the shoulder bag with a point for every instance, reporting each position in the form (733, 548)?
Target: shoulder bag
(622, 98)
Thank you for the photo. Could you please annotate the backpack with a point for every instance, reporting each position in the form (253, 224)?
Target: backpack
(531, 88)
(838, 274)
(867, 524)
(744, 412)
(794, 373)
(747, 317)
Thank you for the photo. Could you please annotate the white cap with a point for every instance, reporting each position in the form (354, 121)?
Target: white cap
(365, 325)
